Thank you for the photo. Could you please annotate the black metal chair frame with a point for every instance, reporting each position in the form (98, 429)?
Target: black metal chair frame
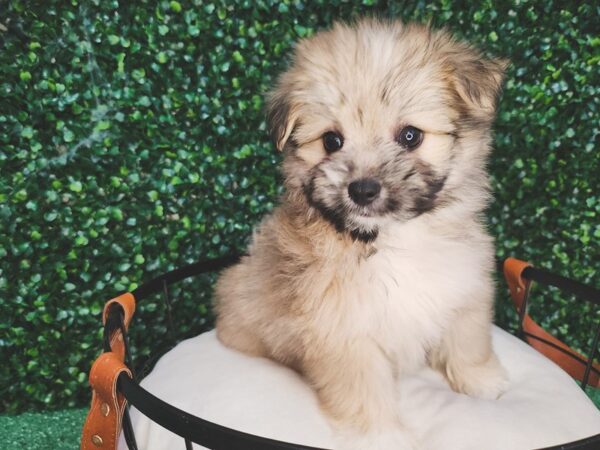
(218, 437)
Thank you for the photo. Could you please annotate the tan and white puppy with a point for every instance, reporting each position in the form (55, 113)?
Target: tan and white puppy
(377, 260)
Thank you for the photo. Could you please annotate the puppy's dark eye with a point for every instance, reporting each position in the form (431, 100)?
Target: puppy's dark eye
(410, 137)
(332, 141)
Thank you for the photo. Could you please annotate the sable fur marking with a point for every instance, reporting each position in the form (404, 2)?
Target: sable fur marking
(427, 201)
(328, 214)
(353, 296)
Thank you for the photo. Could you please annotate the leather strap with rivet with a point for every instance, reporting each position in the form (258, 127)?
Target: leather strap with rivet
(103, 423)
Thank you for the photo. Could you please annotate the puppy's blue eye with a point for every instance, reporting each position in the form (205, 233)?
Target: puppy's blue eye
(332, 141)
(410, 137)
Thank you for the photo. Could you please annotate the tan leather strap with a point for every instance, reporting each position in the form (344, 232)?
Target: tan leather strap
(519, 286)
(127, 302)
(103, 423)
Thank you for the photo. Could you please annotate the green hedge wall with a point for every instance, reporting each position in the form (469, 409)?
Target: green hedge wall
(132, 141)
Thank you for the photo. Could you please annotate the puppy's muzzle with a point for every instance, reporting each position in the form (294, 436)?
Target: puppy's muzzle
(364, 191)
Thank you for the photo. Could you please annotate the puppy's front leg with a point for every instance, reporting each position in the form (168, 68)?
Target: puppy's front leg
(356, 387)
(466, 356)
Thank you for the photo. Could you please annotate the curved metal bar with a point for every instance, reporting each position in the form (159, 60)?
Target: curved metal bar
(565, 284)
(210, 265)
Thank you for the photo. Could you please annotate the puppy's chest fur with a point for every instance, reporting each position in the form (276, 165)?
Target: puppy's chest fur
(303, 293)
(402, 294)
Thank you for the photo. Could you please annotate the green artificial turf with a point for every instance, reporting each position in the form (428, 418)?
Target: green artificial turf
(56, 430)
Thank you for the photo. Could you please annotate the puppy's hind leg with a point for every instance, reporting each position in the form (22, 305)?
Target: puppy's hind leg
(356, 386)
(466, 356)
(235, 334)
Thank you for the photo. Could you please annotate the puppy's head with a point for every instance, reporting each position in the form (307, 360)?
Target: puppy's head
(381, 121)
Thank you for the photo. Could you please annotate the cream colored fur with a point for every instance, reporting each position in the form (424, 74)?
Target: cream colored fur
(352, 315)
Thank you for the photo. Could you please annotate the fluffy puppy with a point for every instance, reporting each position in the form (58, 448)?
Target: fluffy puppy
(376, 261)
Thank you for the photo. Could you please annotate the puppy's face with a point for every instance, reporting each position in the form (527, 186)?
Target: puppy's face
(384, 122)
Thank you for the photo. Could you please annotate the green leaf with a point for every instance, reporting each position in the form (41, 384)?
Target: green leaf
(76, 186)
(102, 125)
(237, 57)
(68, 135)
(81, 241)
(27, 132)
(161, 57)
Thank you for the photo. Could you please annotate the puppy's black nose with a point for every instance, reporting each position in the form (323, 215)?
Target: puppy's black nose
(364, 191)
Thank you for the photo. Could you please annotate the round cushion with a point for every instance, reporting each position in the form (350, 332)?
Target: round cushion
(542, 407)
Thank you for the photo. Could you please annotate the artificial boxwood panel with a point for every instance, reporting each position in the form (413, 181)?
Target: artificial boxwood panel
(132, 141)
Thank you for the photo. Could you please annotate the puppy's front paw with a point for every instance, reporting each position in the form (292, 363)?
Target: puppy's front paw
(487, 381)
(397, 439)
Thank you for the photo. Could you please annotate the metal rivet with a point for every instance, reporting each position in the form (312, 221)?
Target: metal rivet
(105, 409)
(97, 440)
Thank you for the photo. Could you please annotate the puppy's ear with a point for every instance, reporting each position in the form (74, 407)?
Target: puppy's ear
(477, 81)
(281, 117)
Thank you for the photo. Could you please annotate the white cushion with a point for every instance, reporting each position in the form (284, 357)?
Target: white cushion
(542, 407)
